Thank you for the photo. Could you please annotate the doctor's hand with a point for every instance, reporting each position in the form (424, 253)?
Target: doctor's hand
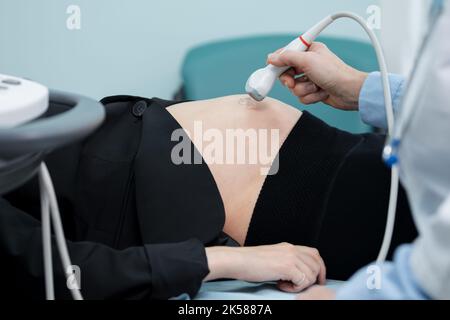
(318, 75)
(295, 268)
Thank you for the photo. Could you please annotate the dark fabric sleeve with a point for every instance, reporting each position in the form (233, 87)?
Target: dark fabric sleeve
(177, 268)
(149, 272)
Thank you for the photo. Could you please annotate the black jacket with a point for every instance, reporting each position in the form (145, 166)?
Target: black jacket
(127, 240)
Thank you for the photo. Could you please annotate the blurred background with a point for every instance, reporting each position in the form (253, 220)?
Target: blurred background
(205, 48)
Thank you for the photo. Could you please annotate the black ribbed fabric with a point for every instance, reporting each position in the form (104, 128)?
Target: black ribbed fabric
(331, 193)
(290, 205)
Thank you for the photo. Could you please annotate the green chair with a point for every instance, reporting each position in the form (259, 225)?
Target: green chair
(222, 68)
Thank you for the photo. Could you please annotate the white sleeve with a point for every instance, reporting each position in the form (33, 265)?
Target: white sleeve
(430, 258)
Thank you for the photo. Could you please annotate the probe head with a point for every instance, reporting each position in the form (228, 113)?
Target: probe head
(260, 84)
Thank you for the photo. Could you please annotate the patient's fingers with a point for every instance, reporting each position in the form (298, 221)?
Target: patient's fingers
(314, 265)
(290, 287)
(315, 255)
(322, 280)
(301, 277)
(308, 279)
(285, 286)
(323, 272)
(314, 97)
(305, 277)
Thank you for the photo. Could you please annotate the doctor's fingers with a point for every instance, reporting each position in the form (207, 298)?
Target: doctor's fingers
(299, 61)
(316, 97)
(303, 89)
(271, 55)
(289, 78)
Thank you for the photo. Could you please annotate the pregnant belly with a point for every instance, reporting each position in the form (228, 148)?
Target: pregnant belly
(239, 143)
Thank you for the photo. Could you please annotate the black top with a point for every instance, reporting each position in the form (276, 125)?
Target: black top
(140, 218)
(331, 193)
(144, 221)
(145, 272)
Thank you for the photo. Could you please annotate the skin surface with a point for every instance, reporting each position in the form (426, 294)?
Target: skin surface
(239, 184)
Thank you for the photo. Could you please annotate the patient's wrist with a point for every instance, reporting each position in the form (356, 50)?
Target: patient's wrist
(223, 263)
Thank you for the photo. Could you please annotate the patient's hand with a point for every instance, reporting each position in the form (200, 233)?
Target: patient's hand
(294, 267)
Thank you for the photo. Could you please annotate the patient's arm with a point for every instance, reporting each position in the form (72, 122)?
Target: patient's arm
(239, 180)
(294, 267)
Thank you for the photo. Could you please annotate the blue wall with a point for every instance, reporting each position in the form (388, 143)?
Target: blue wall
(137, 46)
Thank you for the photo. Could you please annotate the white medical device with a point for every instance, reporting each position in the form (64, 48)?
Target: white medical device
(20, 101)
(261, 82)
(26, 136)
